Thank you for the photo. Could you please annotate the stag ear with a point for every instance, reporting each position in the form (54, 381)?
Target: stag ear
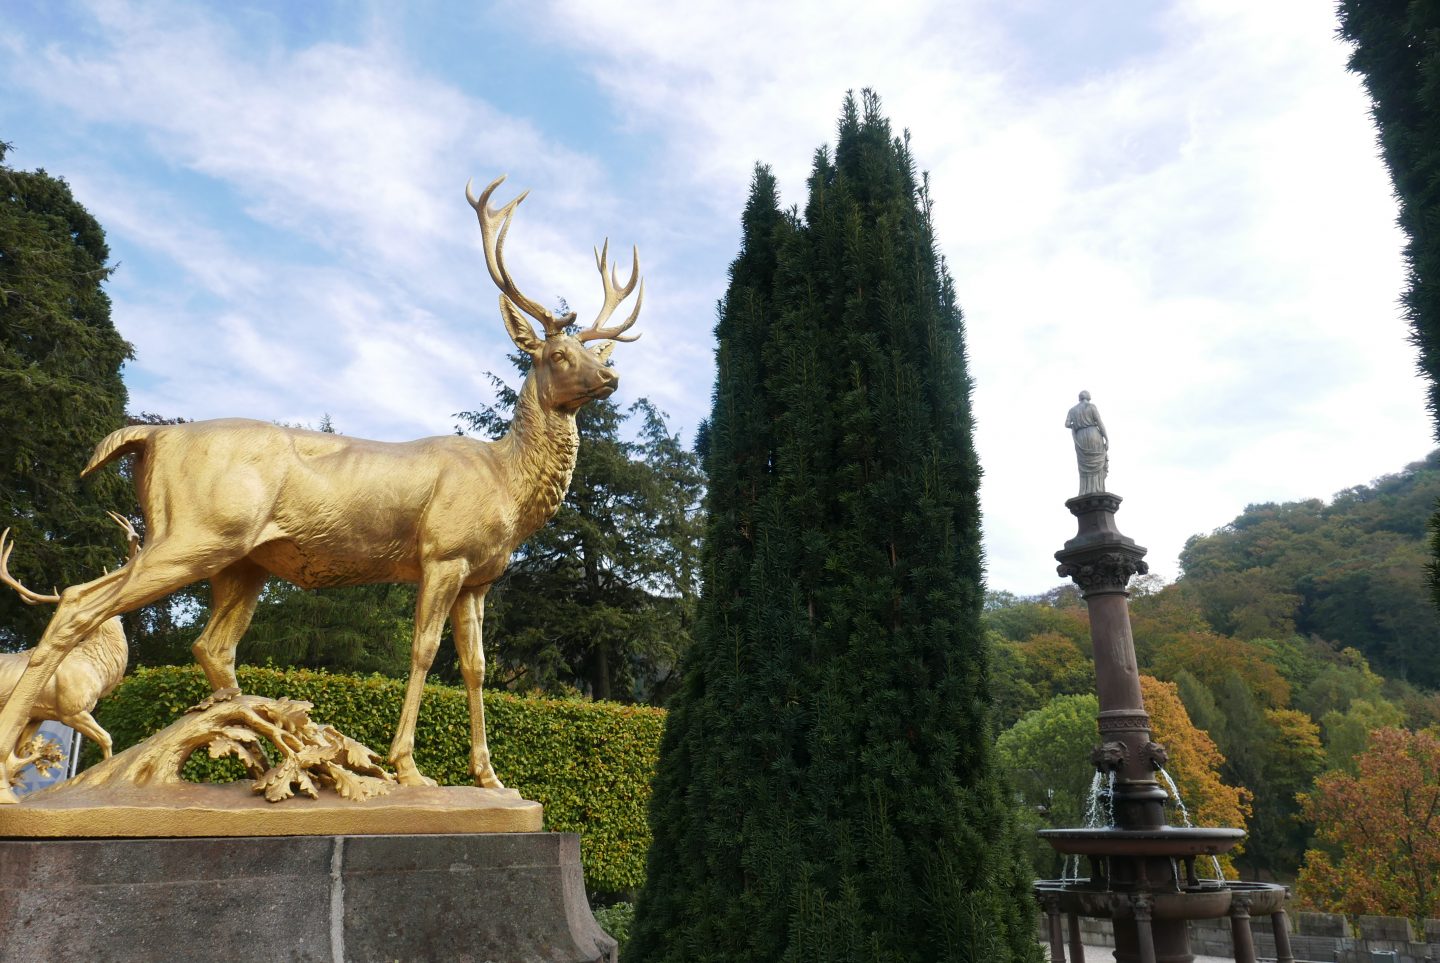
(520, 330)
(603, 352)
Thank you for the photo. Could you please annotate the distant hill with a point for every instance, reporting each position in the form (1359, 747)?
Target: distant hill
(1354, 571)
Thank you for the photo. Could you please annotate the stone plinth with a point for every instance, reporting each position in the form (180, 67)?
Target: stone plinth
(499, 897)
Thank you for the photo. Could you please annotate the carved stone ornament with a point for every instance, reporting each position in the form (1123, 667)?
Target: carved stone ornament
(1109, 757)
(1111, 571)
(1123, 720)
(1155, 754)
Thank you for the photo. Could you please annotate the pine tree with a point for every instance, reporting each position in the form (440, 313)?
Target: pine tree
(827, 789)
(60, 360)
(1397, 52)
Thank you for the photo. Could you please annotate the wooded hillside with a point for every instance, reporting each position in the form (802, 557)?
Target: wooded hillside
(1296, 632)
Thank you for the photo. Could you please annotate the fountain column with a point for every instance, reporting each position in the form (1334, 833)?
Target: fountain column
(1102, 561)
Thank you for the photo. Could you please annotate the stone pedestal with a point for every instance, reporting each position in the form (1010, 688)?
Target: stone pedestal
(484, 898)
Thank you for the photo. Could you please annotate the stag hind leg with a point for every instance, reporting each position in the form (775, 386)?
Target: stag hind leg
(85, 724)
(467, 619)
(153, 573)
(234, 590)
(439, 585)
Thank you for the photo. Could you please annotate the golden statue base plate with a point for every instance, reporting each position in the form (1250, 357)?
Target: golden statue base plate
(234, 809)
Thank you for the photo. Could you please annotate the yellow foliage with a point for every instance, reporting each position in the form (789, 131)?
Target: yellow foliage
(1194, 761)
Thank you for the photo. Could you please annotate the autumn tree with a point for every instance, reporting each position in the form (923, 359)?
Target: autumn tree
(60, 361)
(1047, 754)
(1196, 763)
(1378, 831)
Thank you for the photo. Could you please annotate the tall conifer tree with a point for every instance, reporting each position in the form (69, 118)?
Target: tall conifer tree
(826, 789)
(1397, 52)
(60, 360)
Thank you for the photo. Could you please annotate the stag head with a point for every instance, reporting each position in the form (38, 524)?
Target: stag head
(567, 374)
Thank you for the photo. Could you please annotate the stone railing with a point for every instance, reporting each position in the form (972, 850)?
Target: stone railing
(1314, 938)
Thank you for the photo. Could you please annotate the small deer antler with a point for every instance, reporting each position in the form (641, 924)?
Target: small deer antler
(27, 596)
(131, 536)
(614, 296)
(493, 227)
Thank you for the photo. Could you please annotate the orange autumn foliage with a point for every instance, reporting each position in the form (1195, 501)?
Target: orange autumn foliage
(1381, 831)
(1210, 658)
(1194, 761)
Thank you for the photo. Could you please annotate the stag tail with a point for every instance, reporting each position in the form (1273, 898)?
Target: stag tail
(118, 444)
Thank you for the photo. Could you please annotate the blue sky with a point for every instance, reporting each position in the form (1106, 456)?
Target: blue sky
(1178, 206)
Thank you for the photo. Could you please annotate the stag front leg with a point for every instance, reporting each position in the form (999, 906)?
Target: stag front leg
(468, 619)
(439, 585)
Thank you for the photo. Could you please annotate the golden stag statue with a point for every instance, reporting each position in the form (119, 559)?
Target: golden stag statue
(237, 502)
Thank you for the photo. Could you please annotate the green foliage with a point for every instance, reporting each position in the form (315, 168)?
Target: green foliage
(1337, 685)
(357, 628)
(588, 763)
(1397, 53)
(1047, 755)
(617, 920)
(60, 360)
(1347, 734)
(602, 598)
(1019, 619)
(1272, 752)
(827, 788)
(1351, 572)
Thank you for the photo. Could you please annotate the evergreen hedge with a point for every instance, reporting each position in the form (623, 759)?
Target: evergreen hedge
(588, 763)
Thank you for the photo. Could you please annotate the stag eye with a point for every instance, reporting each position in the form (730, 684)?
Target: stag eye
(561, 357)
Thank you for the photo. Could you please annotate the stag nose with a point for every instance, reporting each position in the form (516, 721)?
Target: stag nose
(609, 381)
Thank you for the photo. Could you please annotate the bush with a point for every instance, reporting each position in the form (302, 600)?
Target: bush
(588, 763)
(616, 921)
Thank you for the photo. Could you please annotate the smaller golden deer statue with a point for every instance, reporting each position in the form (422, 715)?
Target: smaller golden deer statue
(86, 675)
(238, 502)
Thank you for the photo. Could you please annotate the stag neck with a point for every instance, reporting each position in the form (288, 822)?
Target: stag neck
(543, 444)
(107, 650)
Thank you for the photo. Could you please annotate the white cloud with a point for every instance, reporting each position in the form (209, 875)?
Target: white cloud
(1185, 216)
(1199, 232)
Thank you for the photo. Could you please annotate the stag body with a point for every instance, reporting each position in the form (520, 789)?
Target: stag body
(238, 501)
(88, 674)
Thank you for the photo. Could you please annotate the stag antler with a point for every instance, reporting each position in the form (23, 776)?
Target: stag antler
(493, 227)
(614, 297)
(35, 598)
(131, 536)
(494, 224)
(27, 596)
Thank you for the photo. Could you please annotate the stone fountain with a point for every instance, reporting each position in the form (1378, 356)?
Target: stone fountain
(1142, 871)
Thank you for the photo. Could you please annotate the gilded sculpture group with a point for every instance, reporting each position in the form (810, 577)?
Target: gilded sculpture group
(238, 502)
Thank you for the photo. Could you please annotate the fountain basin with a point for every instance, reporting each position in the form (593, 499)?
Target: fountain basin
(1173, 841)
(1210, 900)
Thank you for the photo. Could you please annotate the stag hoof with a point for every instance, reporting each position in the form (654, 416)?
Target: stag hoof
(7, 795)
(407, 775)
(488, 780)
